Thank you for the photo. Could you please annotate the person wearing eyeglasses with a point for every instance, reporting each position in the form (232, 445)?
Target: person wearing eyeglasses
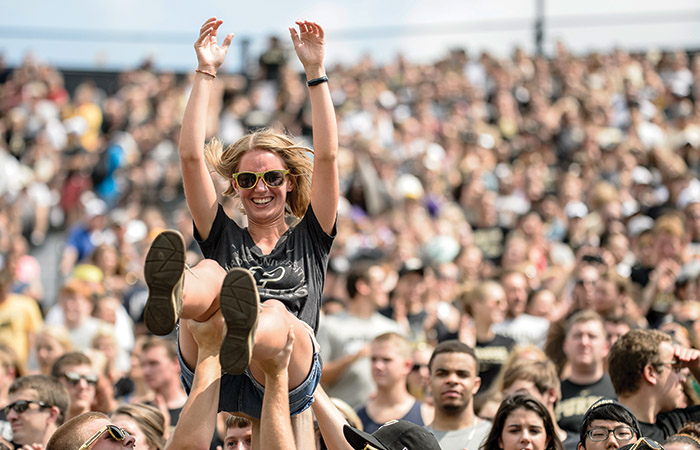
(608, 425)
(418, 380)
(37, 406)
(269, 275)
(75, 372)
(648, 373)
(90, 431)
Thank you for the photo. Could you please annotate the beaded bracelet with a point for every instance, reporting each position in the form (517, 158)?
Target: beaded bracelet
(316, 81)
(205, 73)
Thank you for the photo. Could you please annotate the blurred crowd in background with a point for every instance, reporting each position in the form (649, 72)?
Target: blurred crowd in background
(577, 172)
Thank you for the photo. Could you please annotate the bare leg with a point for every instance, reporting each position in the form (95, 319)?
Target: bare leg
(269, 342)
(201, 290)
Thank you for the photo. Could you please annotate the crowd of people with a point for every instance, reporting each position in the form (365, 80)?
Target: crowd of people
(483, 252)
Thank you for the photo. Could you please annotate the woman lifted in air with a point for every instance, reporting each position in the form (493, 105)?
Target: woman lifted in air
(269, 275)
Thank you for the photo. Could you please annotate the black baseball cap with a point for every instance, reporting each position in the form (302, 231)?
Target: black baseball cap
(608, 409)
(393, 435)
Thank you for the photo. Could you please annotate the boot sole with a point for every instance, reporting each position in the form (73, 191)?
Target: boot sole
(239, 304)
(164, 272)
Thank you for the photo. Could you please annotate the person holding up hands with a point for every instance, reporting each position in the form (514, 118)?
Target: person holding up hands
(268, 276)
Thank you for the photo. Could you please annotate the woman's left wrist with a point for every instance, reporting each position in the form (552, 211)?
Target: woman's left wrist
(315, 72)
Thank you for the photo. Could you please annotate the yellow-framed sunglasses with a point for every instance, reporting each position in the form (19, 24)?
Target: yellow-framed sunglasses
(115, 433)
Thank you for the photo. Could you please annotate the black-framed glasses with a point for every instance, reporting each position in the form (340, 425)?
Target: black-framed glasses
(621, 433)
(115, 433)
(74, 378)
(21, 406)
(272, 178)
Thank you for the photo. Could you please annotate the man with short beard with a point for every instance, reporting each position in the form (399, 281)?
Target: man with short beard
(454, 379)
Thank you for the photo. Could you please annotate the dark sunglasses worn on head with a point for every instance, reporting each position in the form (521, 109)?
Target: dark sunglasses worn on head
(21, 406)
(272, 178)
(74, 378)
(115, 433)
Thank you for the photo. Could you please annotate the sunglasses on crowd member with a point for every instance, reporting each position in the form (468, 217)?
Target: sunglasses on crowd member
(272, 178)
(650, 443)
(675, 365)
(417, 367)
(115, 433)
(621, 433)
(74, 378)
(21, 406)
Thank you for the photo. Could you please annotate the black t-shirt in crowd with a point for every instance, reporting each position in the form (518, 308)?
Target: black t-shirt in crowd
(293, 273)
(576, 399)
(668, 423)
(491, 356)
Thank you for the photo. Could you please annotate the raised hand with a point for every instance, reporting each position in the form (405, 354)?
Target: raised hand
(210, 55)
(207, 334)
(279, 363)
(309, 44)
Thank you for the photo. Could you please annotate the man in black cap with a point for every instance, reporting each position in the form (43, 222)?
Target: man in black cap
(608, 425)
(393, 435)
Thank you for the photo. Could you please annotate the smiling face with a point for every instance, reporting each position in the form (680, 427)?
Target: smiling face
(523, 430)
(262, 203)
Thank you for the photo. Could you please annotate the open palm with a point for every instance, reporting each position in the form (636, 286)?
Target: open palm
(308, 43)
(209, 54)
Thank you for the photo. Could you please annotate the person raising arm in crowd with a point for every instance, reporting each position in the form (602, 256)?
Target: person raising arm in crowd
(268, 276)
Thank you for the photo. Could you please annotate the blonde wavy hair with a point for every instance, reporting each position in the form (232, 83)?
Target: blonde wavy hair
(149, 419)
(297, 159)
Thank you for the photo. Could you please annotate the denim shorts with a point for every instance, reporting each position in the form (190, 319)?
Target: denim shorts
(242, 393)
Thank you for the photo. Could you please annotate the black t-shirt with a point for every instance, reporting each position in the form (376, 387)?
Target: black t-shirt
(293, 273)
(668, 423)
(491, 356)
(576, 399)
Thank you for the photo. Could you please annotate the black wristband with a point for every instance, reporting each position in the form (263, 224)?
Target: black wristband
(316, 81)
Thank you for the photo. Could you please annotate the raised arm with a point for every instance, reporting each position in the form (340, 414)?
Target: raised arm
(199, 187)
(197, 421)
(275, 424)
(309, 45)
(330, 421)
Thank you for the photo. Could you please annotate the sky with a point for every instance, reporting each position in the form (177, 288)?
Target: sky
(107, 34)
